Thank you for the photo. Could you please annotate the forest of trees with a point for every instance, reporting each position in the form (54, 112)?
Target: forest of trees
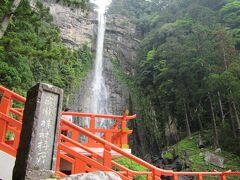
(31, 49)
(188, 68)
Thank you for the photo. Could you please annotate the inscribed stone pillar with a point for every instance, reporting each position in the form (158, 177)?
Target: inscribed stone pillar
(36, 155)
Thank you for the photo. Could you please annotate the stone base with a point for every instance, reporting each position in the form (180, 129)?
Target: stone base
(99, 175)
(39, 174)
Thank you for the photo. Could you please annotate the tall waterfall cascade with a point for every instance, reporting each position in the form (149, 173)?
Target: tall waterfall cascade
(100, 95)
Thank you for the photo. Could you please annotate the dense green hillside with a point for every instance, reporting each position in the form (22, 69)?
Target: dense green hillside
(191, 157)
(196, 155)
(188, 71)
(32, 51)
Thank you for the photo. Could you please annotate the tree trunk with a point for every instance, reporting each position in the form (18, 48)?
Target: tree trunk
(171, 131)
(225, 58)
(190, 114)
(232, 121)
(237, 119)
(168, 130)
(221, 107)
(176, 134)
(216, 141)
(200, 122)
(7, 17)
(187, 122)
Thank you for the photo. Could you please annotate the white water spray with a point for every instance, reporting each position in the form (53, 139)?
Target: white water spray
(99, 99)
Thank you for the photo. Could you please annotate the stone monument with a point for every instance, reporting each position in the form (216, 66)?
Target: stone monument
(36, 155)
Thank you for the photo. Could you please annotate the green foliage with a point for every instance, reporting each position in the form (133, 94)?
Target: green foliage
(197, 162)
(32, 51)
(230, 16)
(84, 4)
(5, 5)
(9, 135)
(54, 177)
(197, 53)
(132, 165)
(189, 52)
(230, 13)
(168, 155)
(131, 8)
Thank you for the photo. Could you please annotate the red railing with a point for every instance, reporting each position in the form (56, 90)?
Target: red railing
(117, 134)
(114, 139)
(87, 163)
(94, 161)
(11, 124)
(10, 120)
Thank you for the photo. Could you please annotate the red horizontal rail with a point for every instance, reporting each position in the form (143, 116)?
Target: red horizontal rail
(11, 121)
(14, 111)
(8, 149)
(65, 138)
(214, 173)
(102, 130)
(98, 115)
(13, 129)
(14, 95)
(67, 158)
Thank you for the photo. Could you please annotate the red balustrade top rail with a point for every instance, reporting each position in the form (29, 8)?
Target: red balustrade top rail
(99, 115)
(12, 95)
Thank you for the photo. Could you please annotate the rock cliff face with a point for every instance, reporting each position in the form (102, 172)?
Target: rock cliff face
(77, 27)
(119, 48)
(120, 41)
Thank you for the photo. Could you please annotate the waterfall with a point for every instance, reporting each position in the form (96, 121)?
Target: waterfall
(100, 95)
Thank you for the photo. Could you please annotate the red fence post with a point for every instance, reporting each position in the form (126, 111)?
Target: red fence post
(80, 166)
(92, 127)
(124, 134)
(107, 156)
(223, 177)
(108, 137)
(175, 177)
(92, 122)
(4, 109)
(58, 158)
(200, 177)
(74, 135)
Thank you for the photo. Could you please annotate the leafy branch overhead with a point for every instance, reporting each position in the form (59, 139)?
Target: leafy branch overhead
(83, 4)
